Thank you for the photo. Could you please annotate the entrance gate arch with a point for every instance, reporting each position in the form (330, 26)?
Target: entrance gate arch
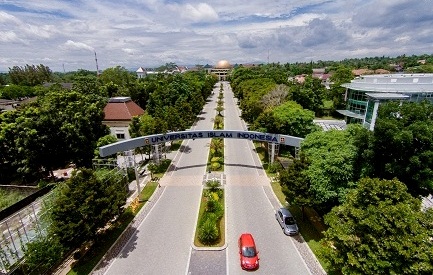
(133, 143)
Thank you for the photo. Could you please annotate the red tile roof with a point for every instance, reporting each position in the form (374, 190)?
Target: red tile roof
(123, 109)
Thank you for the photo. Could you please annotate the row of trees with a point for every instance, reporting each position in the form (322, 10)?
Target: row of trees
(29, 75)
(64, 126)
(268, 106)
(400, 147)
(172, 104)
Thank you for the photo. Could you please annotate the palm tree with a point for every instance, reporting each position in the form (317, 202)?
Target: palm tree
(218, 120)
(219, 109)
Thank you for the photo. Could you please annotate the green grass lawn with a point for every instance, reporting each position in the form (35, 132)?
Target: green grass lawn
(9, 197)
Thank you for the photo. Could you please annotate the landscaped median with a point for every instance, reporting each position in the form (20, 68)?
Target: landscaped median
(210, 230)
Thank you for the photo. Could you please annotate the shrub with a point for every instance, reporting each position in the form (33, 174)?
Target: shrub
(43, 253)
(164, 164)
(211, 205)
(274, 167)
(208, 232)
(213, 185)
(216, 159)
(214, 196)
(215, 165)
(207, 216)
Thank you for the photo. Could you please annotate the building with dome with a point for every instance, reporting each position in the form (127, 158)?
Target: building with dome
(221, 69)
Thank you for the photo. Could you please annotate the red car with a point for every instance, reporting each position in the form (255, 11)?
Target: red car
(248, 252)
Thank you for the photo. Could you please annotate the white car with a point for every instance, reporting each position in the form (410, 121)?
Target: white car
(287, 221)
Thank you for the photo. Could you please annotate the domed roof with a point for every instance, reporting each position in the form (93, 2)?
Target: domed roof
(223, 64)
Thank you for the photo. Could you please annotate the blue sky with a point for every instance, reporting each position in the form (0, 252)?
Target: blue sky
(150, 33)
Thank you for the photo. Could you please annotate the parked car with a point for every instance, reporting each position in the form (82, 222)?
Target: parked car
(287, 221)
(248, 252)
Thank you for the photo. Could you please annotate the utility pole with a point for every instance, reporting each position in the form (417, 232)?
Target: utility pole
(97, 68)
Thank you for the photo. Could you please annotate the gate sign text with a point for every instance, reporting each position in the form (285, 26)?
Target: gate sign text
(129, 144)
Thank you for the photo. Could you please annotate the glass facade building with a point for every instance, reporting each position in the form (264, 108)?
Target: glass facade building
(364, 94)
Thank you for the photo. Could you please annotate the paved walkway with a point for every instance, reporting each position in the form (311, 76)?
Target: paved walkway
(328, 124)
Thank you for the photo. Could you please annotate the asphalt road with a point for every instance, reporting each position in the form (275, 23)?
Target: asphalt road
(249, 209)
(162, 243)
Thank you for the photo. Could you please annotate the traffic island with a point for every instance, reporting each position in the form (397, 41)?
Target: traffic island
(210, 229)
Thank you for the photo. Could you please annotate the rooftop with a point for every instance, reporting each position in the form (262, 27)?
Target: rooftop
(121, 108)
(392, 83)
(387, 96)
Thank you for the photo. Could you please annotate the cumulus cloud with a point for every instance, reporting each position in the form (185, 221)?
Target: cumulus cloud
(8, 36)
(153, 32)
(6, 17)
(200, 12)
(129, 51)
(71, 45)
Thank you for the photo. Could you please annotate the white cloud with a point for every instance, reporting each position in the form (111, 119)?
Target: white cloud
(8, 36)
(129, 51)
(153, 32)
(71, 45)
(201, 12)
(402, 39)
(6, 17)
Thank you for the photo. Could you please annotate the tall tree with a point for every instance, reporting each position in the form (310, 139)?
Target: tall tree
(117, 75)
(296, 185)
(85, 204)
(275, 97)
(290, 118)
(250, 95)
(403, 144)
(309, 94)
(29, 75)
(61, 127)
(332, 156)
(380, 229)
(341, 75)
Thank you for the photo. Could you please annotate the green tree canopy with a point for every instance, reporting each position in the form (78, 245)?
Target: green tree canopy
(16, 91)
(403, 144)
(288, 118)
(380, 229)
(116, 75)
(250, 95)
(309, 94)
(332, 156)
(30, 75)
(61, 127)
(85, 204)
(295, 184)
(341, 75)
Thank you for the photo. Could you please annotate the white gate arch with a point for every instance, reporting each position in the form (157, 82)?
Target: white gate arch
(133, 143)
